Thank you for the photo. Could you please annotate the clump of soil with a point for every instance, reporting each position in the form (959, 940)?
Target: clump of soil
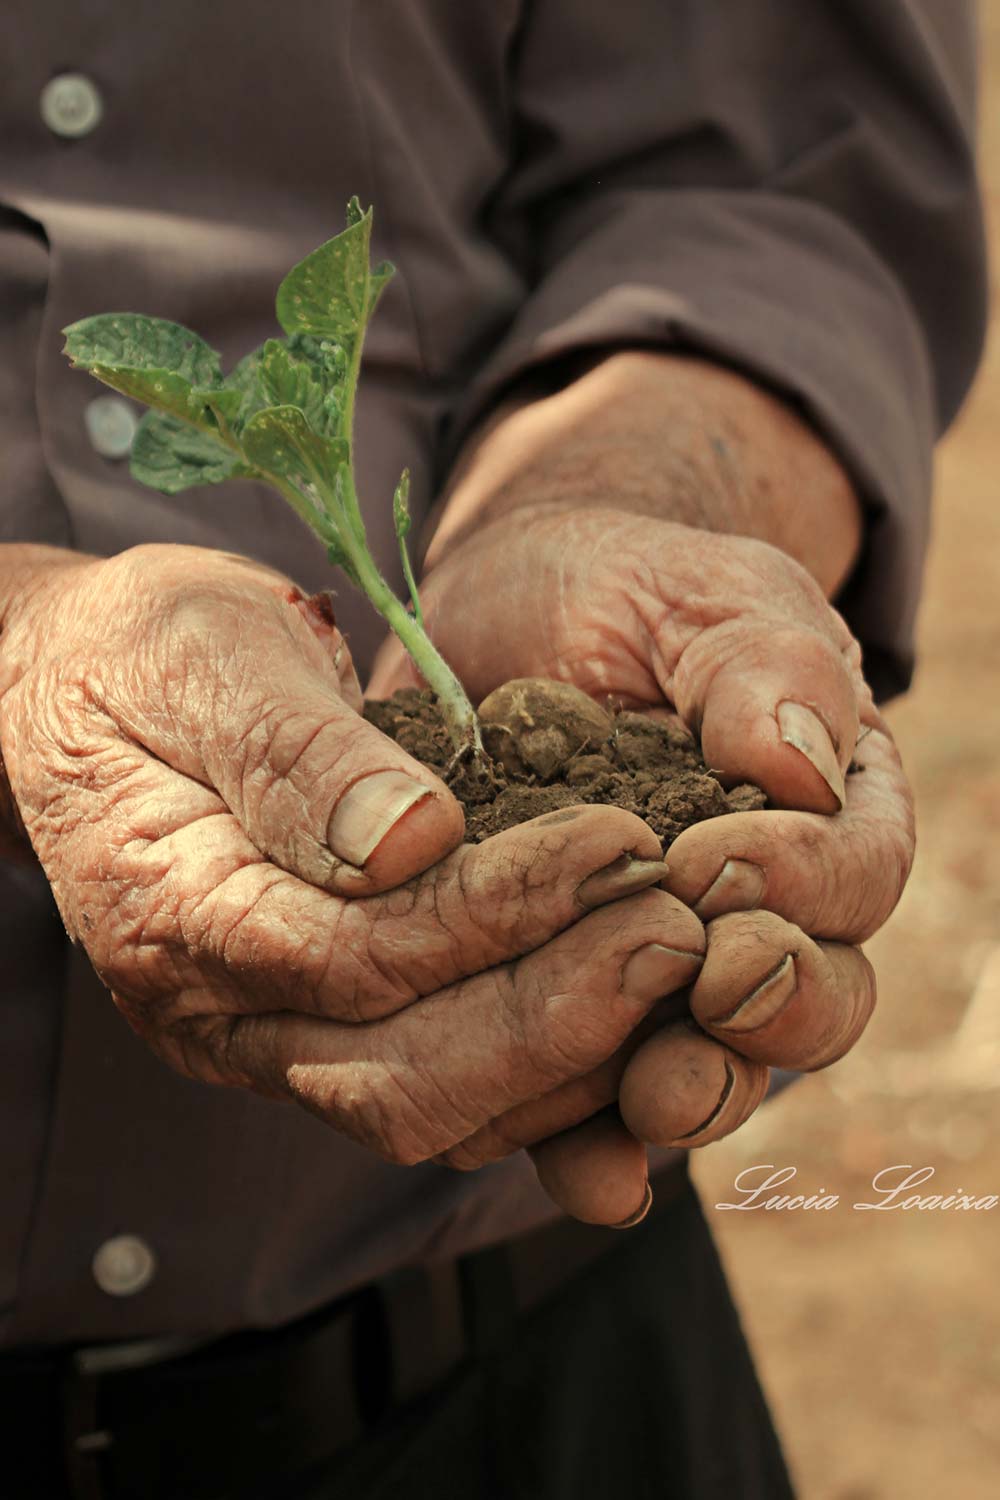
(552, 747)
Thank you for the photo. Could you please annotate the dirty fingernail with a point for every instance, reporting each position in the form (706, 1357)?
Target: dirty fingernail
(622, 877)
(738, 886)
(805, 732)
(764, 1002)
(640, 1213)
(367, 811)
(656, 970)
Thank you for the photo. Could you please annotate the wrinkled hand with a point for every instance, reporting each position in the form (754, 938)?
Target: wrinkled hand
(741, 642)
(274, 892)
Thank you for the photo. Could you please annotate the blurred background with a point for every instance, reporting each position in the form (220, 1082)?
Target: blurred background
(877, 1335)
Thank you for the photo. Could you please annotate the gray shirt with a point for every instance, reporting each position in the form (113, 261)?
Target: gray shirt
(787, 188)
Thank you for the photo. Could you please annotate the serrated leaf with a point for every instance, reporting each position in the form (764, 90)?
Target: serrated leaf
(287, 381)
(280, 440)
(170, 456)
(327, 293)
(131, 340)
(328, 355)
(224, 403)
(150, 359)
(244, 378)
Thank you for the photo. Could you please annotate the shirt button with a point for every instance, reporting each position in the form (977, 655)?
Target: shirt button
(124, 1265)
(111, 425)
(71, 104)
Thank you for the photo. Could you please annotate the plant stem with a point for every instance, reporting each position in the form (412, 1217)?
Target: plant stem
(456, 710)
(411, 582)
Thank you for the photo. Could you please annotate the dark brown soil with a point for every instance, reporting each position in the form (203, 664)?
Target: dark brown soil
(648, 767)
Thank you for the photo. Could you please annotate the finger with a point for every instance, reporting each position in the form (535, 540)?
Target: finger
(769, 991)
(569, 1105)
(237, 691)
(775, 705)
(216, 912)
(596, 1172)
(681, 1088)
(413, 1085)
(182, 915)
(833, 877)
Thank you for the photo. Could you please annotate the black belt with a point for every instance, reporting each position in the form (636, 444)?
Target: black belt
(172, 1420)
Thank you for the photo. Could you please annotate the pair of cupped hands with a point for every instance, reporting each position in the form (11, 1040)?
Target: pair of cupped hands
(279, 898)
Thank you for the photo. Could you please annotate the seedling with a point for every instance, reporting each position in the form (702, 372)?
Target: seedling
(284, 415)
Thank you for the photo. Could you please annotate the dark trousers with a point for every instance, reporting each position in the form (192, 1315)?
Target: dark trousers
(630, 1378)
(634, 1380)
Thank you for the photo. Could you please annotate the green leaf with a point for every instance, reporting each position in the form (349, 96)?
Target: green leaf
(244, 379)
(224, 404)
(150, 359)
(329, 364)
(280, 441)
(328, 292)
(328, 357)
(287, 381)
(169, 456)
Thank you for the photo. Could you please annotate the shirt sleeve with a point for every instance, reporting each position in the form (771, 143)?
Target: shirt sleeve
(786, 188)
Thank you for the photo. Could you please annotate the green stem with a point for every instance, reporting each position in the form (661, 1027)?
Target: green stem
(456, 710)
(411, 582)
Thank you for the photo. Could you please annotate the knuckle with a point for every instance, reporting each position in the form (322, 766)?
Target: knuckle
(575, 1042)
(384, 1107)
(243, 926)
(551, 1034)
(395, 1123)
(465, 1157)
(343, 972)
(200, 1046)
(492, 1142)
(442, 906)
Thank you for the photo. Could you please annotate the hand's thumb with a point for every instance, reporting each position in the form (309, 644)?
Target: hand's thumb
(319, 790)
(775, 706)
(326, 795)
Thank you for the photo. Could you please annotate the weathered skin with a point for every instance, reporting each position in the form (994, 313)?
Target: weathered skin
(725, 628)
(586, 540)
(177, 727)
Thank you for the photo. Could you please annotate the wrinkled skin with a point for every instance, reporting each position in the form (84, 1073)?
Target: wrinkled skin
(178, 727)
(723, 629)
